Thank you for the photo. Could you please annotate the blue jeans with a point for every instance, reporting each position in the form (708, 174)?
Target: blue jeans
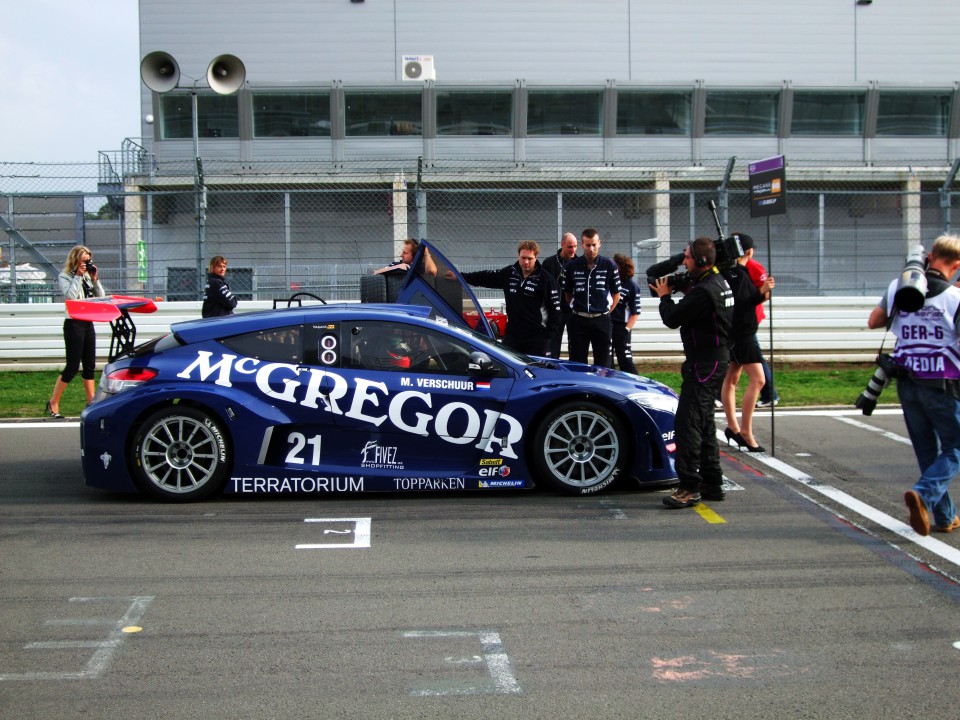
(933, 422)
(768, 393)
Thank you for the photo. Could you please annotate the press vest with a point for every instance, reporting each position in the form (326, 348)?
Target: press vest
(927, 342)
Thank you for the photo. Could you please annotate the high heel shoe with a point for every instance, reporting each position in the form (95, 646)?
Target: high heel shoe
(748, 446)
(735, 436)
(51, 412)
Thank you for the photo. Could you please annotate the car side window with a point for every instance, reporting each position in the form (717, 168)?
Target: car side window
(283, 344)
(399, 347)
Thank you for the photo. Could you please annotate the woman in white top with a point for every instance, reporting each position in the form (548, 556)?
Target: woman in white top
(78, 280)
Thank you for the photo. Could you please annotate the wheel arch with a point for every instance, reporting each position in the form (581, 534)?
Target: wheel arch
(147, 411)
(612, 406)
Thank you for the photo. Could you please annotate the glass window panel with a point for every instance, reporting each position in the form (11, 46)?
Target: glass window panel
(475, 112)
(176, 117)
(653, 113)
(217, 116)
(558, 112)
(828, 113)
(291, 114)
(913, 113)
(383, 113)
(742, 113)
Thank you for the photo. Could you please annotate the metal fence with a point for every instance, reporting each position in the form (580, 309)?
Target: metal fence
(293, 225)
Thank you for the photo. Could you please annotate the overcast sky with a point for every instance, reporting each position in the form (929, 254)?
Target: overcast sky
(70, 83)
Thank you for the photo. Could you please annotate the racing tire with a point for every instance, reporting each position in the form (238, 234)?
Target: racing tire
(580, 448)
(373, 289)
(180, 454)
(394, 283)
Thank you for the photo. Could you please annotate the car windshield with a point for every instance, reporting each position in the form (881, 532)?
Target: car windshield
(514, 354)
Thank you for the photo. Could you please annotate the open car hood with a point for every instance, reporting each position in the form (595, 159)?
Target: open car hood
(433, 281)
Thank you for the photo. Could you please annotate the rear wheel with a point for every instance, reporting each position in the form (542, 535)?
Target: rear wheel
(180, 454)
(580, 448)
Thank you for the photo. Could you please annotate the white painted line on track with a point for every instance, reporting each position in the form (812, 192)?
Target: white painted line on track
(937, 547)
(887, 434)
(48, 424)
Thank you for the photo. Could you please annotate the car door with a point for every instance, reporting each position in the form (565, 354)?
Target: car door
(412, 408)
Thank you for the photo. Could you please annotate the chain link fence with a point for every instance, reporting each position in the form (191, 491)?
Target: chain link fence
(317, 227)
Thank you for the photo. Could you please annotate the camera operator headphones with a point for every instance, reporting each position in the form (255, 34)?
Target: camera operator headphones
(699, 260)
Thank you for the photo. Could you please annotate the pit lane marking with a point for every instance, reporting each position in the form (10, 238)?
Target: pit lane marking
(709, 515)
(502, 680)
(937, 547)
(105, 648)
(360, 532)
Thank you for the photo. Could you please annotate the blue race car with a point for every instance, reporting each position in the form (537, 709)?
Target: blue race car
(410, 396)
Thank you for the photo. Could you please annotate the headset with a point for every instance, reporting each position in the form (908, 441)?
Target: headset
(699, 260)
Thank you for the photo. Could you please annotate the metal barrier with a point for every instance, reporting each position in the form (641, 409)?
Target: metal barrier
(810, 329)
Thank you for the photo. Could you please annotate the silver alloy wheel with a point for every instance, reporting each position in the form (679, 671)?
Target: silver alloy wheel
(579, 448)
(180, 454)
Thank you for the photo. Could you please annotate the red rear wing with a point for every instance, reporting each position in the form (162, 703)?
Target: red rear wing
(114, 309)
(109, 308)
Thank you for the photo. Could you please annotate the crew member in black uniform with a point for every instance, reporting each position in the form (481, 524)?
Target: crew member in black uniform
(556, 265)
(217, 298)
(704, 316)
(592, 289)
(532, 300)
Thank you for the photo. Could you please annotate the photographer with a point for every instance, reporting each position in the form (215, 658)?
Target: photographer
(927, 366)
(80, 279)
(704, 316)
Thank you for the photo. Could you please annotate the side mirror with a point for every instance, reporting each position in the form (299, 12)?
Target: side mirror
(481, 364)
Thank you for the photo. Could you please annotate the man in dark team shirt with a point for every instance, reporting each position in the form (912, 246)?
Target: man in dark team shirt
(532, 300)
(592, 289)
(556, 265)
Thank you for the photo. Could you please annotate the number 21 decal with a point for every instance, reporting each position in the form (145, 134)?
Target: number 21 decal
(299, 443)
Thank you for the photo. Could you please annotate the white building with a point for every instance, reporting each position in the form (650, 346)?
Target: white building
(483, 123)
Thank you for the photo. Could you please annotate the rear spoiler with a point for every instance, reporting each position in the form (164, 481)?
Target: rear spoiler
(114, 309)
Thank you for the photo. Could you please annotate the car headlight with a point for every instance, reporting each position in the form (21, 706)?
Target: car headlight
(663, 402)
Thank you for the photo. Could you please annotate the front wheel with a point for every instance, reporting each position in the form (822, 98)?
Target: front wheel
(580, 449)
(180, 454)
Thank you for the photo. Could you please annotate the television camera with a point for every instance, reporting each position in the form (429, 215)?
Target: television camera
(910, 295)
(728, 249)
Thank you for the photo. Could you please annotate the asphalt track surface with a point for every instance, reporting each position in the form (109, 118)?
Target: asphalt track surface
(803, 595)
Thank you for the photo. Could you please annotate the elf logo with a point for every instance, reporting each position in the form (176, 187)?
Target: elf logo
(494, 471)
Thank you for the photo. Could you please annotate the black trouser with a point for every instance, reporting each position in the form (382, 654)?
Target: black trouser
(80, 340)
(622, 348)
(695, 430)
(533, 343)
(585, 332)
(556, 340)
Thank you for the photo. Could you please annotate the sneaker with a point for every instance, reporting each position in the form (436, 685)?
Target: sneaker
(717, 494)
(919, 519)
(767, 403)
(954, 524)
(682, 499)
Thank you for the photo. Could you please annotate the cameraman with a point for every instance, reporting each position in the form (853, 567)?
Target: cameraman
(928, 384)
(704, 317)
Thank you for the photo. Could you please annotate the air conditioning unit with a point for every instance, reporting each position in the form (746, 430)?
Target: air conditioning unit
(418, 67)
